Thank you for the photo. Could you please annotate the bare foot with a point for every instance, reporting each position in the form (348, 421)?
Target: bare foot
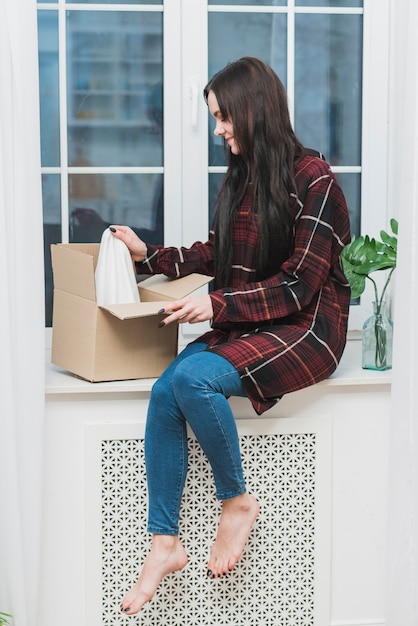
(237, 517)
(167, 555)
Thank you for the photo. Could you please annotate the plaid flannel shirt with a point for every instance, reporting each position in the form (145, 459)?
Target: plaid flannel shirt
(288, 331)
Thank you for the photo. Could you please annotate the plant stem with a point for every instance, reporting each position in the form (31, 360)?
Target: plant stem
(376, 294)
(386, 285)
(379, 330)
(380, 335)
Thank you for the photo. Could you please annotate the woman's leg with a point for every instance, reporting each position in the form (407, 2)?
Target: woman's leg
(166, 467)
(193, 388)
(201, 385)
(166, 452)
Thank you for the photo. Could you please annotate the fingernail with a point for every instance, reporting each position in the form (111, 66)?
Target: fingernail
(127, 609)
(112, 229)
(161, 311)
(209, 573)
(161, 324)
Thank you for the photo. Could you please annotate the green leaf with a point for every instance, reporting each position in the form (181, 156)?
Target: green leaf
(364, 255)
(394, 225)
(392, 242)
(357, 282)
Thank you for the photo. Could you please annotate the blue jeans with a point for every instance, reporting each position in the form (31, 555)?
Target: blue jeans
(193, 390)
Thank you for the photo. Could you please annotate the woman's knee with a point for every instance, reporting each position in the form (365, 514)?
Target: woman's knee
(186, 376)
(195, 379)
(161, 391)
(163, 408)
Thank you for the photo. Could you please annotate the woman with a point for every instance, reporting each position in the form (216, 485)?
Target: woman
(278, 311)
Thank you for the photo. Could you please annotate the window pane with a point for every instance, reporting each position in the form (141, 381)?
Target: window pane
(351, 186)
(114, 67)
(51, 198)
(244, 3)
(48, 87)
(263, 35)
(97, 200)
(114, 2)
(328, 77)
(329, 3)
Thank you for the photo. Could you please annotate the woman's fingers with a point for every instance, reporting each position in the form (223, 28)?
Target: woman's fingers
(193, 309)
(135, 245)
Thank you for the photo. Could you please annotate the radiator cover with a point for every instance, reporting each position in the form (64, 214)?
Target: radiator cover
(283, 576)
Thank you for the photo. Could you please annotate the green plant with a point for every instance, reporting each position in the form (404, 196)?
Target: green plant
(363, 256)
(4, 618)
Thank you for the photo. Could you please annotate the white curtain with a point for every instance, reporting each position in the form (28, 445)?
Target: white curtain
(402, 562)
(22, 343)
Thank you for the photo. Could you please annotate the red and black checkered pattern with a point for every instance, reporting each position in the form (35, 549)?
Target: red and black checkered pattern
(288, 331)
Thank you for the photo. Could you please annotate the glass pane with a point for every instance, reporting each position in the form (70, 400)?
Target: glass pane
(329, 3)
(48, 87)
(114, 2)
(51, 198)
(263, 35)
(97, 200)
(114, 74)
(243, 3)
(328, 78)
(351, 186)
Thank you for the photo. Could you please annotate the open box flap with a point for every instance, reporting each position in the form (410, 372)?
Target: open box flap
(74, 272)
(135, 309)
(160, 287)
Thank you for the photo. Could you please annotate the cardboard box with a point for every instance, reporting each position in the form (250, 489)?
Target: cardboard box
(117, 342)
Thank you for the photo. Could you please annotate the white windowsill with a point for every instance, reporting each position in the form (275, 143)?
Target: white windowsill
(349, 373)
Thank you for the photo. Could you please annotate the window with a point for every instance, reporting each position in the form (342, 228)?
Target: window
(125, 131)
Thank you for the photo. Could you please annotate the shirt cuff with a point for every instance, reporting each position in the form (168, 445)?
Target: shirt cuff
(148, 265)
(220, 313)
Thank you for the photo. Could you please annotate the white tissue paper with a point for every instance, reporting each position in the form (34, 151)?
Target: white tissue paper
(115, 275)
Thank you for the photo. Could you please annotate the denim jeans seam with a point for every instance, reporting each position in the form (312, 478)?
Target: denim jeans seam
(227, 495)
(157, 530)
(175, 514)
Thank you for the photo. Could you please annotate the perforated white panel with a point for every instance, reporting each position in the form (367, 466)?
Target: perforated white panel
(273, 585)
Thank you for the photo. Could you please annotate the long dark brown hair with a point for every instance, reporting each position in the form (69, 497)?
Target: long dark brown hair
(252, 97)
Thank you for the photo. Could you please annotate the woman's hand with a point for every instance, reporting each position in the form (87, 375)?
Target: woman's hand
(192, 309)
(135, 245)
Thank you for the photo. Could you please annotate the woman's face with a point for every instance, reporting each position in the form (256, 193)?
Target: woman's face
(224, 128)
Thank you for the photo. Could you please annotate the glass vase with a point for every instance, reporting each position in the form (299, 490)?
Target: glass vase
(377, 339)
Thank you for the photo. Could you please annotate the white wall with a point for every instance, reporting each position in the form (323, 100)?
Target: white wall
(402, 548)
